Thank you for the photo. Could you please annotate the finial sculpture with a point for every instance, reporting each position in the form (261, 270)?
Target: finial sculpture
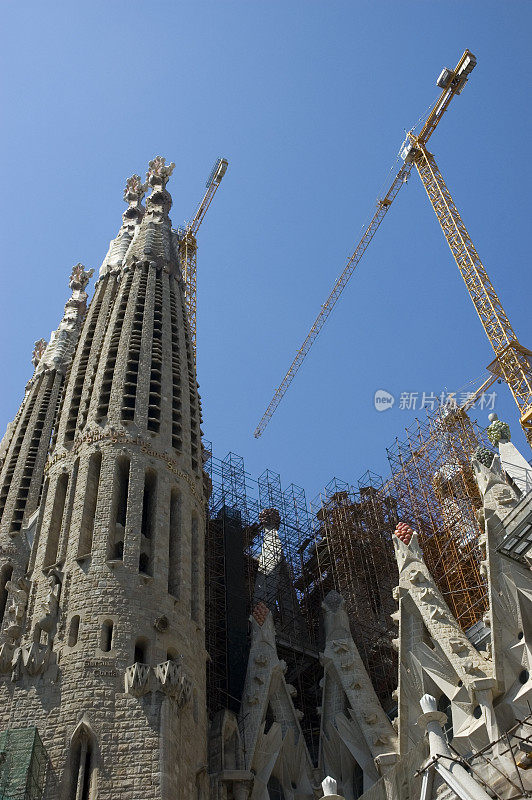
(79, 278)
(498, 431)
(38, 350)
(404, 532)
(135, 190)
(270, 518)
(159, 172)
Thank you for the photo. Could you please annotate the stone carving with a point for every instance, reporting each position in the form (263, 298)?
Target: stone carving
(161, 623)
(498, 431)
(335, 618)
(47, 621)
(137, 679)
(173, 682)
(19, 593)
(270, 518)
(135, 190)
(79, 278)
(38, 350)
(159, 172)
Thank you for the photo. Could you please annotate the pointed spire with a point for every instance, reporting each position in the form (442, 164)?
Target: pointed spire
(131, 218)
(58, 353)
(154, 240)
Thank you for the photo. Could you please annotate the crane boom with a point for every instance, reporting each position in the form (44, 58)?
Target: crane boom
(188, 245)
(451, 82)
(512, 359)
(380, 212)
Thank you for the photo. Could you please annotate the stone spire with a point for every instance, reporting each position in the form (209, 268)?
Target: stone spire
(117, 565)
(57, 354)
(133, 195)
(24, 448)
(155, 242)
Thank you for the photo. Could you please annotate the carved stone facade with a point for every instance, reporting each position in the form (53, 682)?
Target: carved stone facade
(102, 638)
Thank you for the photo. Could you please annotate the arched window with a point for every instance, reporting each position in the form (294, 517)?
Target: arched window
(82, 783)
(56, 521)
(73, 631)
(141, 651)
(195, 569)
(174, 543)
(106, 640)
(5, 576)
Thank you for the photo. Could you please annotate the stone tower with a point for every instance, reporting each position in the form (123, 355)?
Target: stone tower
(25, 446)
(107, 655)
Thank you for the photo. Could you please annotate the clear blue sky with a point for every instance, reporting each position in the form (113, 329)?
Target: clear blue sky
(309, 101)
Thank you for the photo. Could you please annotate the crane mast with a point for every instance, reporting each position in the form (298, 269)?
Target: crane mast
(512, 361)
(188, 246)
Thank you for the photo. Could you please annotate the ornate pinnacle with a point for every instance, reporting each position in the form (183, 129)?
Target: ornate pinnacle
(38, 350)
(159, 172)
(80, 277)
(135, 190)
(498, 430)
(270, 518)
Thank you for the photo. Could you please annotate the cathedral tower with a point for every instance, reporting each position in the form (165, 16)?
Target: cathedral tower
(108, 658)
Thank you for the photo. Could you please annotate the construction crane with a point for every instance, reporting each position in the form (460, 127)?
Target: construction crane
(512, 360)
(188, 247)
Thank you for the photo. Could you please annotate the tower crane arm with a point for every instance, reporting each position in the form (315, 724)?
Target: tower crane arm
(188, 246)
(380, 212)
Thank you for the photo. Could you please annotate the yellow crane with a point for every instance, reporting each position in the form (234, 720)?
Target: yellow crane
(188, 247)
(512, 360)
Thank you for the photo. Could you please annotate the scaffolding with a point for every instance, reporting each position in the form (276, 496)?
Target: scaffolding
(235, 549)
(351, 552)
(433, 483)
(24, 765)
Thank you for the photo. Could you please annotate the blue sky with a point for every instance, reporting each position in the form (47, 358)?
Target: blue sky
(309, 102)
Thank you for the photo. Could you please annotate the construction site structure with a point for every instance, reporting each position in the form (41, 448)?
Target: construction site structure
(512, 361)
(236, 552)
(188, 246)
(352, 553)
(433, 484)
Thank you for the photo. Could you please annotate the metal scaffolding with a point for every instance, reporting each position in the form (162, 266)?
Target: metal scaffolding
(435, 489)
(351, 551)
(235, 550)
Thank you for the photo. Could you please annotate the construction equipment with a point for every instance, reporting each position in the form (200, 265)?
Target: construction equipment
(188, 245)
(512, 361)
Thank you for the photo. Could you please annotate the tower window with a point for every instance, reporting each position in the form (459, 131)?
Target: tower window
(73, 631)
(106, 639)
(5, 576)
(140, 655)
(56, 521)
(121, 489)
(174, 544)
(82, 772)
(89, 509)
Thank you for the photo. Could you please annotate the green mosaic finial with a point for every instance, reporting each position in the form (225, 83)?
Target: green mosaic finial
(484, 455)
(498, 430)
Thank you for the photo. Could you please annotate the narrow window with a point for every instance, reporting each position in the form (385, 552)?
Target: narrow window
(194, 567)
(56, 521)
(172, 655)
(149, 510)
(82, 773)
(116, 549)
(358, 781)
(174, 544)
(141, 651)
(106, 642)
(5, 576)
(89, 508)
(73, 631)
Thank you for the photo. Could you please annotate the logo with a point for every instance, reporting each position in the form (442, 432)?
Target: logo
(383, 400)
